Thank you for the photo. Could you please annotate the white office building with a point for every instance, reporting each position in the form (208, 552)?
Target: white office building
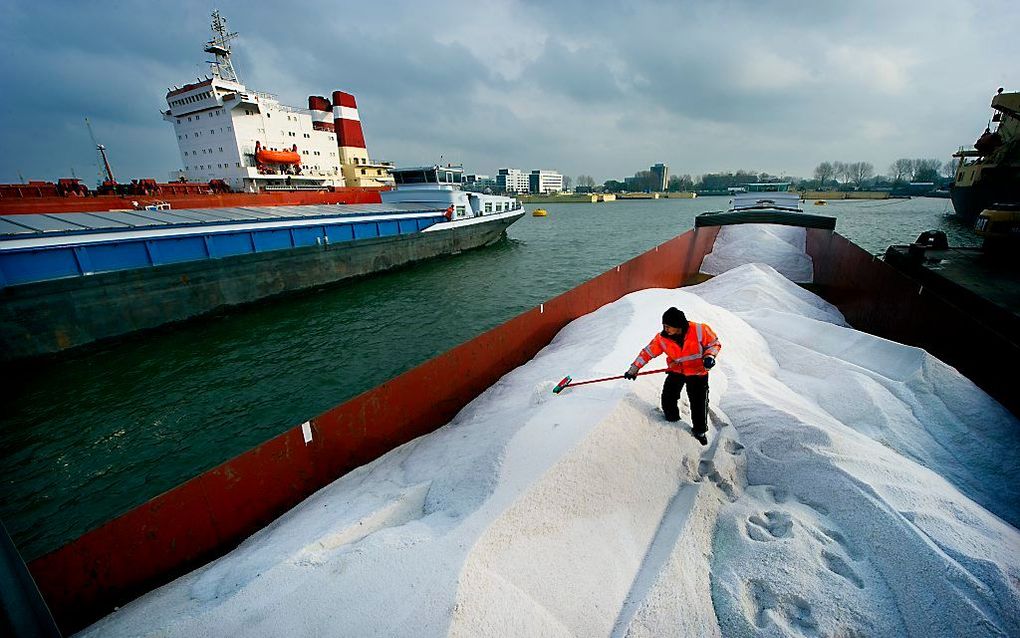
(542, 182)
(512, 180)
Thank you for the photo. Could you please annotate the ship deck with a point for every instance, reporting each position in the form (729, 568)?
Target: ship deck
(39, 247)
(987, 286)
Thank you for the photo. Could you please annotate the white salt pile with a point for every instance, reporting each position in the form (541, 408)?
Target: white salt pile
(852, 487)
(779, 246)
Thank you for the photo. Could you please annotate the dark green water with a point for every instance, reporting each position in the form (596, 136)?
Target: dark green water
(88, 436)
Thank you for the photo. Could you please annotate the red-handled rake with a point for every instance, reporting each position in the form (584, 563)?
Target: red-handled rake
(567, 382)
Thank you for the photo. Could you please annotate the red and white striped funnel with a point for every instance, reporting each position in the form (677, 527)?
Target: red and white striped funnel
(346, 121)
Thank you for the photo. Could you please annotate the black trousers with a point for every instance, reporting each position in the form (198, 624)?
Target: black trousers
(697, 393)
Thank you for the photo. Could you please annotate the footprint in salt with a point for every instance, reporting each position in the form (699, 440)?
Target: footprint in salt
(707, 469)
(769, 526)
(841, 540)
(835, 564)
(733, 447)
(766, 607)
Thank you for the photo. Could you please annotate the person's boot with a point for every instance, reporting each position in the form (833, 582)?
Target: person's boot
(702, 437)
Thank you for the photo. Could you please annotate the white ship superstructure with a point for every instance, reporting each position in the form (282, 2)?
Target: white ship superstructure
(440, 186)
(253, 142)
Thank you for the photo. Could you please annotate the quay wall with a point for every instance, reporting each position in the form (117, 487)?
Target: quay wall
(845, 195)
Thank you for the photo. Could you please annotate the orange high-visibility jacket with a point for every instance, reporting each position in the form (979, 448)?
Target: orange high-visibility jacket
(699, 342)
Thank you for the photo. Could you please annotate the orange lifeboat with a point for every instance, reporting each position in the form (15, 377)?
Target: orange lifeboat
(266, 156)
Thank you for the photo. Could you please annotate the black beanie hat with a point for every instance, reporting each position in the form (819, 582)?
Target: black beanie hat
(674, 318)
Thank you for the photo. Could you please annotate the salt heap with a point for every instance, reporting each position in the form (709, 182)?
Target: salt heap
(852, 487)
(781, 247)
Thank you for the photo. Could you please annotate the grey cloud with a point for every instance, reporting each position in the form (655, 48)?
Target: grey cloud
(601, 88)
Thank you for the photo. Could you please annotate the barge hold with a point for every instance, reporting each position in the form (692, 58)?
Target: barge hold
(70, 279)
(213, 512)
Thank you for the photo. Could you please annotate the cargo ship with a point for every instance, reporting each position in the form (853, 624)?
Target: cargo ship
(210, 514)
(989, 173)
(238, 146)
(294, 202)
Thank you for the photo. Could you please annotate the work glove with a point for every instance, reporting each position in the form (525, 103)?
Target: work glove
(631, 373)
(709, 362)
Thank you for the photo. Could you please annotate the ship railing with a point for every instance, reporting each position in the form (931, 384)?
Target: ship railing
(296, 187)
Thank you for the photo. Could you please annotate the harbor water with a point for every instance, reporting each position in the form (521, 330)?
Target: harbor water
(89, 435)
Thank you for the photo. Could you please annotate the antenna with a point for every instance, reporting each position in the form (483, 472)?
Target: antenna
(102, 153)
(219, 46)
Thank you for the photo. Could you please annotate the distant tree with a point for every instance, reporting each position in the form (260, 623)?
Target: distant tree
(680, 183)
(841, 171)
(860, 172)
(926, 170)
(646, 181)
(901, 169)
(613, 186)
(586, 180)
(949, 168)
(823, 173)
(566, 182)
(722, 181)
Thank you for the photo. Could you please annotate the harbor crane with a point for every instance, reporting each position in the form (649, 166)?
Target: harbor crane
(110, 181)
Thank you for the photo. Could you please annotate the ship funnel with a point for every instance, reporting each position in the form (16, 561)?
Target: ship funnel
(322, 113)
(346, 121)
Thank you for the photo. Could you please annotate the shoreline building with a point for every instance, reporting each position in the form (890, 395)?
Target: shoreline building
(511, 180)
(543, 182)
(661, 174)
(252, 142)
(478, 183)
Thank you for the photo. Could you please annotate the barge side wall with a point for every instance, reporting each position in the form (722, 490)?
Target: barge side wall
(52, 316)
(877, 298)
(210, 514)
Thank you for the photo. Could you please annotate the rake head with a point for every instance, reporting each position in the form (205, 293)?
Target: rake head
(564, 382)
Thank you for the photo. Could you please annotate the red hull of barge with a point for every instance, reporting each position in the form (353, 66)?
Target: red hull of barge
(98, 203)
(210, 514)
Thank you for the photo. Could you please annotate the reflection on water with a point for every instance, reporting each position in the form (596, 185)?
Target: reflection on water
(90, 435)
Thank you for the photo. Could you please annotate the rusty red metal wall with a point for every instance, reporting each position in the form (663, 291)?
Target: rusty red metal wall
(877, 298)
(213, 512)
(47, 204)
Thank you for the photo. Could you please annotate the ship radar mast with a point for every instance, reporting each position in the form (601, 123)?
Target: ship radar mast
(219, 46)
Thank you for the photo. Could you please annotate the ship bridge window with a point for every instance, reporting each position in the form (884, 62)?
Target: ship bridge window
(413, 177)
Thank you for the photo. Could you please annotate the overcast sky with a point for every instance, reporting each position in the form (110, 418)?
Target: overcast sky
(581, 87)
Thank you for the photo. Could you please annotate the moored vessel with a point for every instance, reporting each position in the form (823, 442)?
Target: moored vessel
(989, 173)
(238, 147)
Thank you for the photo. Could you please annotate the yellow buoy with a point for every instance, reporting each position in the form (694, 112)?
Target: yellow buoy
(821, 202)
(539, 212)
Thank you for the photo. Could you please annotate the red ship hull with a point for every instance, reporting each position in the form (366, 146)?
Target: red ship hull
(96, 203)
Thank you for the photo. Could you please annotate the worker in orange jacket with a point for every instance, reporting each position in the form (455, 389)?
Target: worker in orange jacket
(691, 349)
